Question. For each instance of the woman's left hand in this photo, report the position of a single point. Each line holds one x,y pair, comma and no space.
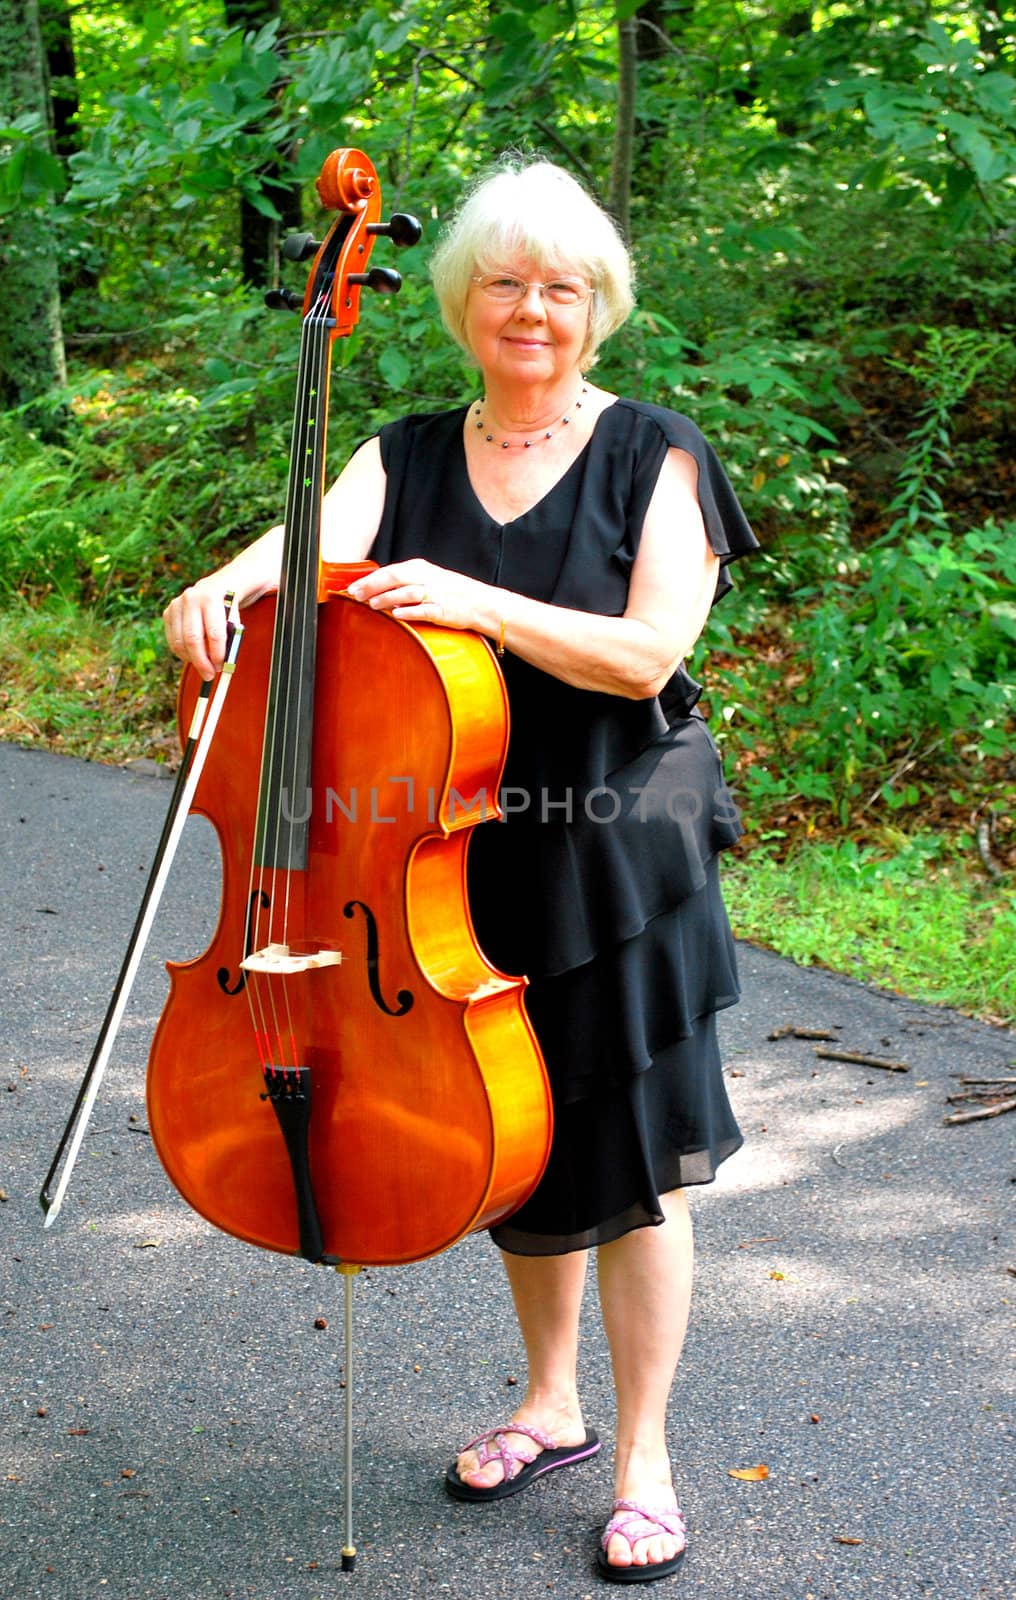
419,591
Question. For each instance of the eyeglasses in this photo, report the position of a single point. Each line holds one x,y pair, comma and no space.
501,286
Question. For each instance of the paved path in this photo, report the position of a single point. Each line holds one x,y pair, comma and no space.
172,1416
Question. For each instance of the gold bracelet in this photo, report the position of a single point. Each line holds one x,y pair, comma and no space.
499,647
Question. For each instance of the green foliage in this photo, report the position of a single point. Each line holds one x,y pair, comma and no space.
758,399
145,486
915,639
896,911
30,172
78,682
821,200
944,133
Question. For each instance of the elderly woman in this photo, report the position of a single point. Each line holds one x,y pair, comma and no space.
586,536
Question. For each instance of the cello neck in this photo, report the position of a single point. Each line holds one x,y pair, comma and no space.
283,813
331,306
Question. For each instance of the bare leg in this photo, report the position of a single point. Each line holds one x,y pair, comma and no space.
547,1291
645,1282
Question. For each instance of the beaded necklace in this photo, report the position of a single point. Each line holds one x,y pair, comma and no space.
526,444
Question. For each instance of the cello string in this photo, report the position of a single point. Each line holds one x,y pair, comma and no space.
295,636
298,601
305,587
259,993
300,622
304,621
263,1005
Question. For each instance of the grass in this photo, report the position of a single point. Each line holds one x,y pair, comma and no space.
913,913
84,686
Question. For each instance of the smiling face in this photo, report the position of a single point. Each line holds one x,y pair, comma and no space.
532,341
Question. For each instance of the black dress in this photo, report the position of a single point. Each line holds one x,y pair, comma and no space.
601,884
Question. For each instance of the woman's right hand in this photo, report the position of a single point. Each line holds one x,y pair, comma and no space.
195,623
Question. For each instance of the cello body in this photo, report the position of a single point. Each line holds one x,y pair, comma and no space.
430,1112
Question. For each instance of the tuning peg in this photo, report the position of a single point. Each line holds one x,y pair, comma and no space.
384,280
283,300
300,246
401,229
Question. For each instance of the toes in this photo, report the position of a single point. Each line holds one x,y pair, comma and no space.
619,1552
660,1549
486,1477
645,1552
495,1471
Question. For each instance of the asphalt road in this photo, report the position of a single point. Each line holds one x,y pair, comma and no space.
173,1415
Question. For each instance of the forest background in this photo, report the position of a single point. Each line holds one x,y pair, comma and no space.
821,205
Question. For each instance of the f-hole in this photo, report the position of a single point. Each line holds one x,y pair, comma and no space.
404,996
261,901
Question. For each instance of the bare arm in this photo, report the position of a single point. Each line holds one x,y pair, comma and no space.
672,586
195,621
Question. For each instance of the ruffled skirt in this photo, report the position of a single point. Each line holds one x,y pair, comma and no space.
622,931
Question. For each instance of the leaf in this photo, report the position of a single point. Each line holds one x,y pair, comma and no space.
222,98
188,131
749,1474
768,238
996,91
388,43
43,173
14,170
394,367
260,201
222,391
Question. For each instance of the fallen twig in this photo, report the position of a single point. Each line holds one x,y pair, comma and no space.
988,1080
791,1031
863,1061
981,1112
986,1095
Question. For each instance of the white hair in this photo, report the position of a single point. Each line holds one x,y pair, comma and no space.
539,211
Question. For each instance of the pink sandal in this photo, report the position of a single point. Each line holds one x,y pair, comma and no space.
634,1522
519,1470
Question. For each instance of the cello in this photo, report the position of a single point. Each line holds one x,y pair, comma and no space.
342,1074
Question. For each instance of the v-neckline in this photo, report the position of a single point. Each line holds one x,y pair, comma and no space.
569,469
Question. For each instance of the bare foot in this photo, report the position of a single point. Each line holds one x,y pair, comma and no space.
563,1424
646,1541
644,1481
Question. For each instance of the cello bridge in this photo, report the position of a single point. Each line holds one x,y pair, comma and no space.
278,960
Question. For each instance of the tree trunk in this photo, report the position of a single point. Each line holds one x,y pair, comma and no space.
61,68
31,335
796,25
624,126
259,235
64,104
660,26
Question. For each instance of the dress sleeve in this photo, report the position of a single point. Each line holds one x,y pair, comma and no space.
726,525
